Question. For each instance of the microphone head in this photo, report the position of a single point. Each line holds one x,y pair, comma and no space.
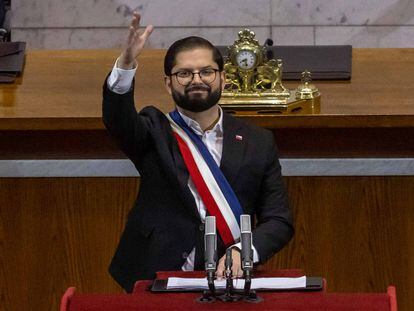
210,225
245,225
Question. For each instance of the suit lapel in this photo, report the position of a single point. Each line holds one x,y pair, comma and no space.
234,145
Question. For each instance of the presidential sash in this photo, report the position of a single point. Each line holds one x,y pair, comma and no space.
212,186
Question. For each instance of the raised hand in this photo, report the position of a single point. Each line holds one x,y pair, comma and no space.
135,43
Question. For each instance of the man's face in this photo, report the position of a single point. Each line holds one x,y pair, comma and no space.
198,94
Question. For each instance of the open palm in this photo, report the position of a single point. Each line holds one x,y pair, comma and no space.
135,43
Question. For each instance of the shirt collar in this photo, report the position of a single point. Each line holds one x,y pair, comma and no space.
218,127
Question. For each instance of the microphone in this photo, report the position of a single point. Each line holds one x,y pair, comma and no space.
246,243
246,249
210,250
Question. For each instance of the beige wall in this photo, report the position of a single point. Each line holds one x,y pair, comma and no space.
80,24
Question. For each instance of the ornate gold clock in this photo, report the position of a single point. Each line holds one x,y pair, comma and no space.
254,83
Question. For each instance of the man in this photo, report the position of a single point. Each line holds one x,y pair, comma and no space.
196,146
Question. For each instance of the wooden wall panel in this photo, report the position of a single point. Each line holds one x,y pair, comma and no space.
357,232
57,233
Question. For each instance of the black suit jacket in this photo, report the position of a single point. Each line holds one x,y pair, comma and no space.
164,224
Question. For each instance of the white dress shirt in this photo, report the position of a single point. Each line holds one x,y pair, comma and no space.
120,82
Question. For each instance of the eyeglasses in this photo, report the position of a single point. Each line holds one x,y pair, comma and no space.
184,77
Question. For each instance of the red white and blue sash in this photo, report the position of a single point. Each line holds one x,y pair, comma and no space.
212,186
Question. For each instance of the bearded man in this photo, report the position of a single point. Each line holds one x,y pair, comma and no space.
195,161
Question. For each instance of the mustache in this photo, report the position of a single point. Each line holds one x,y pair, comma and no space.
197,87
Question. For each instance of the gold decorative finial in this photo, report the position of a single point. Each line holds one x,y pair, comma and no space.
306,90
246,36
306,76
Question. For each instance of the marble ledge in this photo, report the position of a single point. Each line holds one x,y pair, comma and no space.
290,167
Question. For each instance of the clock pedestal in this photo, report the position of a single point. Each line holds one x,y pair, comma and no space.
253,105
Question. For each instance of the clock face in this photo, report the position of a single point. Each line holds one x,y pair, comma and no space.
246,59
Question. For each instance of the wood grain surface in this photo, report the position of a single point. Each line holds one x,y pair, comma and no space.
357,232
291,142
57,233
62,90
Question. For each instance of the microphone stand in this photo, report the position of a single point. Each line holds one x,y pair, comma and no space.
247,266
229,293
210,281
209,295
249,295
247,282
229,273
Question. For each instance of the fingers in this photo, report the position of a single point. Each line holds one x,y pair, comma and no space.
147,32
220,269
237,271
135,23
143,35
135,33
236,268
135,42
131,34
136,18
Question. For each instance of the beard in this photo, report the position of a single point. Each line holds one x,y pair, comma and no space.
197,102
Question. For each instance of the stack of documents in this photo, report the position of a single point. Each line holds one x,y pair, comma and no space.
257,283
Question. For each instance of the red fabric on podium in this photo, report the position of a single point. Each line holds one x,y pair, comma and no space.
272,301
392,293
67,296
143,299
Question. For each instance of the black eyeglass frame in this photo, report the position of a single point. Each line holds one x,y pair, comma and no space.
193,73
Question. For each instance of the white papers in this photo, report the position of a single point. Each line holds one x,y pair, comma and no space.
257,283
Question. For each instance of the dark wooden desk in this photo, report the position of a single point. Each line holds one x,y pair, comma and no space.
61,90
373,115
